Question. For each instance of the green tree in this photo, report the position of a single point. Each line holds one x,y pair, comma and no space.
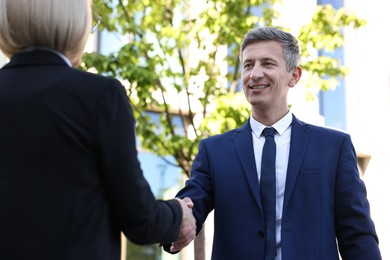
175,62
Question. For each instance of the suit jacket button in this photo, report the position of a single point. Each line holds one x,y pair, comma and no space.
260,234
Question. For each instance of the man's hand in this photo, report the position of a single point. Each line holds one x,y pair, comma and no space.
187,231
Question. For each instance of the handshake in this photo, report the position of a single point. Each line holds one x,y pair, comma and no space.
187,231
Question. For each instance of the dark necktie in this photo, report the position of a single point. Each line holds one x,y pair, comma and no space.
268,191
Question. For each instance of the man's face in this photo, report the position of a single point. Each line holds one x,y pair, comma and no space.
265,78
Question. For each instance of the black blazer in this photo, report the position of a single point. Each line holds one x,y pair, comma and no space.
70,179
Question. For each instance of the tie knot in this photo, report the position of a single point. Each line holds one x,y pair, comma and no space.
269,132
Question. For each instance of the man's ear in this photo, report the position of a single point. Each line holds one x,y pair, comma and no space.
295,76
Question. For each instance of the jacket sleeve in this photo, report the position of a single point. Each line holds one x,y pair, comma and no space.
141,218
198,189
356,235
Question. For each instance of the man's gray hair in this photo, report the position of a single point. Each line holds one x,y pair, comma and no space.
289,43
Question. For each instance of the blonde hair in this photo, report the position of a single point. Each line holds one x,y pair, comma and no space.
62,25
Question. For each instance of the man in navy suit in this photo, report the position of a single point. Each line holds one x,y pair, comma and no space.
321,210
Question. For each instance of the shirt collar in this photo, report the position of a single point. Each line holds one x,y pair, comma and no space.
280,126
33,48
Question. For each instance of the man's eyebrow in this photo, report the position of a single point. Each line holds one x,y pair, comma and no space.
268,59
246,60
264,59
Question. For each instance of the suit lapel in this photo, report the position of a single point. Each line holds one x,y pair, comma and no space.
244,146
300,133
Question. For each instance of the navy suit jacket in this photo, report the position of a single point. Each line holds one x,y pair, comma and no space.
325,206
70,179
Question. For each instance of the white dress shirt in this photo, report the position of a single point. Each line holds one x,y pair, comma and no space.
282,140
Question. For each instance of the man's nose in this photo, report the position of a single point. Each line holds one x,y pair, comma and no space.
257,72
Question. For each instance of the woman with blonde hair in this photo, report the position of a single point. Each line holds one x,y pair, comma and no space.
70,180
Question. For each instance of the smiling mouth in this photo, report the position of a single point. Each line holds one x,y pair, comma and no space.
258,86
